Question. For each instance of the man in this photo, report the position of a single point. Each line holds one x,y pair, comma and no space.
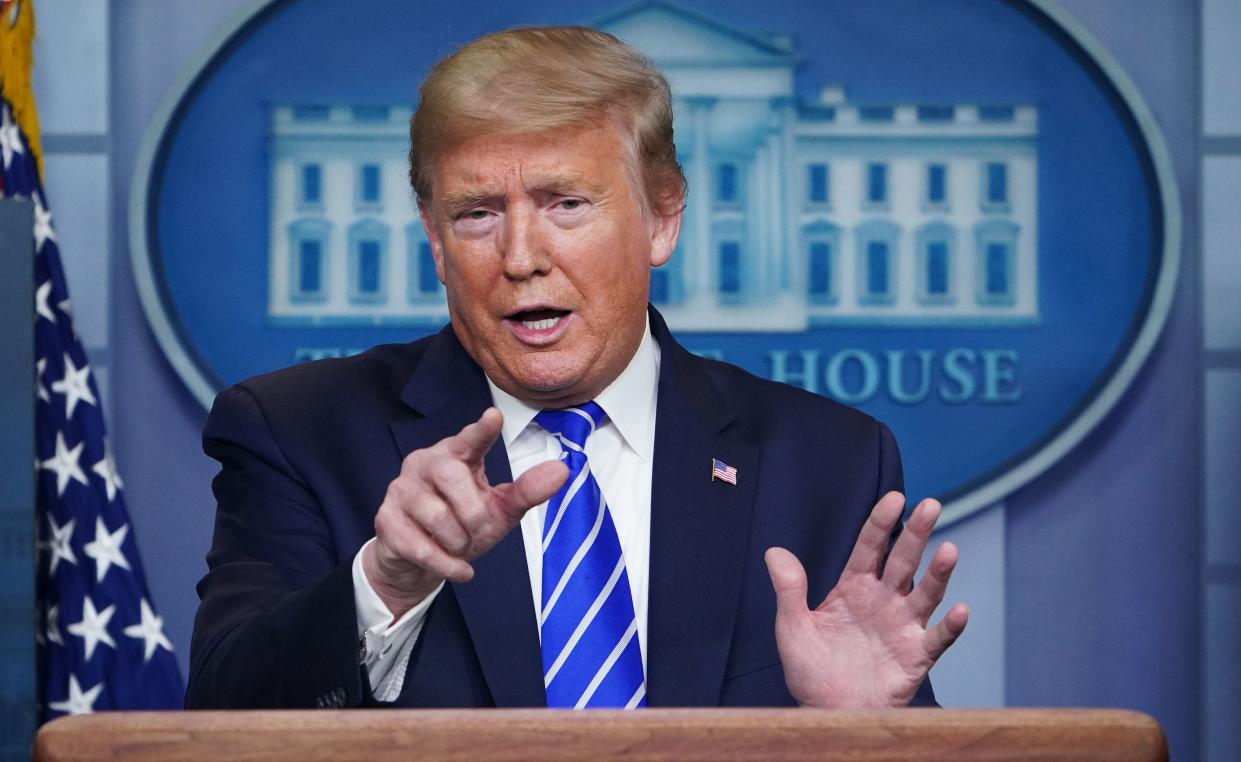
638,558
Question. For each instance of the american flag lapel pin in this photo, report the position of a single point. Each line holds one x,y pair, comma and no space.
722,471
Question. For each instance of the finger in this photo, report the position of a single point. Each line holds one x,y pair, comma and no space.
454,482
902,563
788,578
435,516
531,488
872,541
419,508
946,632
472,442
412,543
929,592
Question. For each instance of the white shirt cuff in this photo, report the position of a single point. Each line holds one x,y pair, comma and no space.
384,646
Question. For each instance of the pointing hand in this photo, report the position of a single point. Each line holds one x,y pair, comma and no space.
440,513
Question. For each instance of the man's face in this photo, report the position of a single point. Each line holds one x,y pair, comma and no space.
543,246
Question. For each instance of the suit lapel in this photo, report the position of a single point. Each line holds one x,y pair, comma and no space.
699,533
446,392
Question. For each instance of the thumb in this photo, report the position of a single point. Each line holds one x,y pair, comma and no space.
788,577
531,488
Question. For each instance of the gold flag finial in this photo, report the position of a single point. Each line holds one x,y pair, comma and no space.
16,69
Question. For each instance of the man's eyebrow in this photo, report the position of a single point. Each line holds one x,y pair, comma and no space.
563,183
460,200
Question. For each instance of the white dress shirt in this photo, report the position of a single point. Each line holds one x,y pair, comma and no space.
620,453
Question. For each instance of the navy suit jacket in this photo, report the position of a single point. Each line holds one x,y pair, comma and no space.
306,455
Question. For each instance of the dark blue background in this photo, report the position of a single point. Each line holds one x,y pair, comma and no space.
1097,230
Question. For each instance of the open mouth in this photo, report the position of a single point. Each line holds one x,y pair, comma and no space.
540,319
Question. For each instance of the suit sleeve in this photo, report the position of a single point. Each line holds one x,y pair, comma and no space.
276,626
891,473
892,477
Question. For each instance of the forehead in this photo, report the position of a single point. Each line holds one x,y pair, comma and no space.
585,156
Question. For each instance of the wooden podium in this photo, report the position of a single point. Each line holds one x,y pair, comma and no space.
653,734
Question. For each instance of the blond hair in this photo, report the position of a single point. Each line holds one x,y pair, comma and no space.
533,79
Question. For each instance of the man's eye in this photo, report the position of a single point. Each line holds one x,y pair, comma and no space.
571,204
476,214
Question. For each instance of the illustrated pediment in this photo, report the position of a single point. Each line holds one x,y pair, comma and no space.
676,36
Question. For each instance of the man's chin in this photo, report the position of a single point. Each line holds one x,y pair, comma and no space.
549,389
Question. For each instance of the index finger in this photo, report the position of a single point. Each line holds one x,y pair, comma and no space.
872,542
472,442
906,554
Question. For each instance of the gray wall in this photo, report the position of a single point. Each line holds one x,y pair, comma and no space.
1113,580
1220,156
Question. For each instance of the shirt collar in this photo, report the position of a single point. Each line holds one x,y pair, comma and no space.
629,401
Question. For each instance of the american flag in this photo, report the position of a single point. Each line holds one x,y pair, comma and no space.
100,644
723,471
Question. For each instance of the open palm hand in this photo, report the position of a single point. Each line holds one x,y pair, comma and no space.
867,644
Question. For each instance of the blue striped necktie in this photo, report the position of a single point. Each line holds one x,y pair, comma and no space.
591,656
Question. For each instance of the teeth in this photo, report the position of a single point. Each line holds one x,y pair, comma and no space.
539,325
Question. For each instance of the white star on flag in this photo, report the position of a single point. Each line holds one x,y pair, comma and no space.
151,631
65,463
106,548
40,304
39,388
75,386
78,702
93,629
10,139
106,470
60,544
42,224
53,625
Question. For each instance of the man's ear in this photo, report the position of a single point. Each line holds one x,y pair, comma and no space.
664,233
433,237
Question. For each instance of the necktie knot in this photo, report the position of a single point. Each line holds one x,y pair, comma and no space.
572,425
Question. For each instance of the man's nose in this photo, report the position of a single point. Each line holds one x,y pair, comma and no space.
524,246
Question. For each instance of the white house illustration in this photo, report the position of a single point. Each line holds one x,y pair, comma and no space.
800,212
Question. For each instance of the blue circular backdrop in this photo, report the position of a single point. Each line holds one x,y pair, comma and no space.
1099,208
